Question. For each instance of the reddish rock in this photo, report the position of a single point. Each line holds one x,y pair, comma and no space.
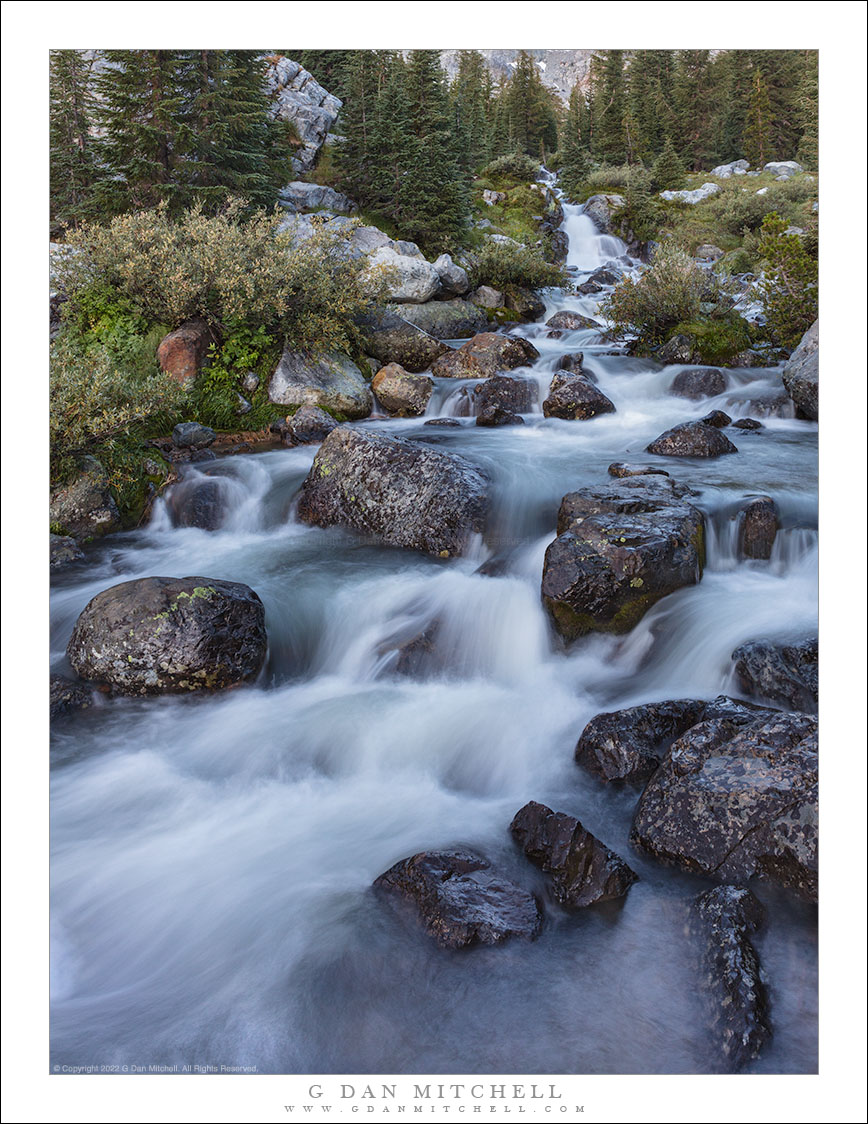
181,353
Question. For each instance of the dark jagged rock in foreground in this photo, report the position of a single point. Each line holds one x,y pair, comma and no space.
461,900
405,494
785,674
692,439
575,398
159,635
722,920
758,528
737,801
583,869
513,395
628,745
620,548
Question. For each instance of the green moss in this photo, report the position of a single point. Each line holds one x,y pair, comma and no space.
716,339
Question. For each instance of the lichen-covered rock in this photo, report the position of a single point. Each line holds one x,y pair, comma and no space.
295,96
692,439
309,425
583,869
699,382
159,635
608,567
486,297
192,435
572,321
63,549
757,528
301,196
401,392
698,195
461,900
484,355
783,169
575,398
331,381
391,338
513,395
717,418
727,171
400,277
600,208
445,320
784,674
629,744
66,697
735,802
404,493
181,353
523,302
493,416
722,921
85,508
453,279
802,374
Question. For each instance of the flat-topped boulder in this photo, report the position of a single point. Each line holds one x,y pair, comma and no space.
391,338
401,492
575,398
802,374
569,321
445,319
162,635
331,381
699,382
779,673
484,355
461,900
507,393
734,802
692,439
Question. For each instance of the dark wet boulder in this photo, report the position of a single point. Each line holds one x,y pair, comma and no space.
461,900
192,435
445,320
62,550
717,418
575,398
492,417
572,362
629,744
523,302
484,355
747,424
418,657
692,439
392,339
802,374
758,524
309,425
722,921
633,494
401,392
605,277
589,288
734,802
66,697
445,423
85,508
784,674
583,870
403,493
160,635
567,321
622,470
699,382
604,571
510,394
199,501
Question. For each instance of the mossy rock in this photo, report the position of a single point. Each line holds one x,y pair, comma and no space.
715,340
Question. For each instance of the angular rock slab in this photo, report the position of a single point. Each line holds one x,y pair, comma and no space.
160,635
785,674
802,374
404,493
484,355
331,381
737,802
584,871
722,921
461,900
692,439
391,338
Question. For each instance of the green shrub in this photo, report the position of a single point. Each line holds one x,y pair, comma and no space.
500,263
669,292
641,214
515,166
788,288
716,339
215,394
606,178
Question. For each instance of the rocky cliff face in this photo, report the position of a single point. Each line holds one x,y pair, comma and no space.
560,70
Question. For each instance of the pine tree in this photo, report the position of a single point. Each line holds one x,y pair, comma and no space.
809,112
693,107
73,171
532,120
756,140
471,96
365,75
390,140
609,96
668,172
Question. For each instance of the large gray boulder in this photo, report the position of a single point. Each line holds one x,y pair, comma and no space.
85,508
331,381
402,493
733,802
600,208
296,97
783,169
445,320
301,196
460,900
453,278
400,277
619,550
391,338
698,195
727,171
802,374
583,870
159,635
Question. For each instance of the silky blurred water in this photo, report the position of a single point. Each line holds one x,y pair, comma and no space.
212,856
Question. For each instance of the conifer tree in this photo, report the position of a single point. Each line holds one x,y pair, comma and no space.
364,77
390,139
608,78
693,106
809,111
73,170
530,110
756,140
471,95
668,171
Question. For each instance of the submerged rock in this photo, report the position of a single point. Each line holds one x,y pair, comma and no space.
692,439
583,869
620,549
575,398
331,381
629,744
158,635
404,493
401,392
699,382
62,550
785,674
722,920
802,374
66,697
461,900
758,524
735,802
198,502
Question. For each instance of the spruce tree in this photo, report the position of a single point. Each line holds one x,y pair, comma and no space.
668,172
693,106
364,77
532,120
610,97
809,112
575,163
471,96
757,137
72,167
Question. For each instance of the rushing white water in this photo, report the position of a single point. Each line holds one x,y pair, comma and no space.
212,856
588,249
